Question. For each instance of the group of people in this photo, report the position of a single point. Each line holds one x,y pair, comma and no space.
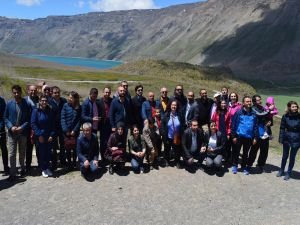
144,131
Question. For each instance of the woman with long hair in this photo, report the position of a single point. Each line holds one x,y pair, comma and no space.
289,137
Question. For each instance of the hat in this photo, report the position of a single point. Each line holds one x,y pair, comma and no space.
217,94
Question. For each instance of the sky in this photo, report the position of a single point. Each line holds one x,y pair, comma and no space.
32,9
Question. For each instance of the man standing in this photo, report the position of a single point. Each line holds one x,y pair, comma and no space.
204,108
193,144
244,132
17,122
127,95
137,102
32,100
3,137
163,101
148,107
191,109
57,102
87,150
180,98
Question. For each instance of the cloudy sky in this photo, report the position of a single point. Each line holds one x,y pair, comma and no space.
31,9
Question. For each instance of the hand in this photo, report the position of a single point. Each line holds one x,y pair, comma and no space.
13,129
114,148
228,137
72,133
96,162
41,139
234,140
271,107
50,139
142,154
18,130
68,134
86,163
268,123
190,161
254,141
113,129
203,149
96,118
209,149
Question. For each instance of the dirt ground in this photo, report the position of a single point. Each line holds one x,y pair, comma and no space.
164,196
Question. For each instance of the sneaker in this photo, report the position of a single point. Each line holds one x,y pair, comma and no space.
234,169
178,166
50,174
246,171
287,176
23,173
151,167
279,174
141,169
265,136
110,170
44,173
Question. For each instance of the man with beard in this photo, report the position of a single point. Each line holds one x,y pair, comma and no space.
137,102
180,98
163,101
204,108
127,95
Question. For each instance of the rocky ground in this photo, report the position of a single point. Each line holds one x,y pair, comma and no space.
164,196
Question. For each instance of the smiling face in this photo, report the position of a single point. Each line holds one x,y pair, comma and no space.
247,103
136,132
233,97
174,106
294,108
163,92
43,102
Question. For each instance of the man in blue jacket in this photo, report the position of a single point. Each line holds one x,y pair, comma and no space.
148,107
87,150
244,132
3,137
17,119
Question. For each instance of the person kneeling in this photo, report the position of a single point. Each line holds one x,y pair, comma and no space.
193,144
88,150
137,148
215,147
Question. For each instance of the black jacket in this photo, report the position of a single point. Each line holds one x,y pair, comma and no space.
290,130
137,109
221,141
187,141
204,109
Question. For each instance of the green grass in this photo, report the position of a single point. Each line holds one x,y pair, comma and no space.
6,83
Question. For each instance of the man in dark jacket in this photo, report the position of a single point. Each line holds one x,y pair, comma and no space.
87,150
3,137
137,102
148,107
204,107
191,109
193,144
180,98
244,132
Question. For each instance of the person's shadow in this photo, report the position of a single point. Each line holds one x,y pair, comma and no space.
269,168
5,184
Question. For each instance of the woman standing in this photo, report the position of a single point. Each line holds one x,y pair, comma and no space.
172,127
289,137
42,124
137,149
70,124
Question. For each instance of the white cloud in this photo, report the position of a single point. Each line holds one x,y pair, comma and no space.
29,2
80,4
113,5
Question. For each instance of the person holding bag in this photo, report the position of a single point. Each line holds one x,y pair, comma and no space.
172,129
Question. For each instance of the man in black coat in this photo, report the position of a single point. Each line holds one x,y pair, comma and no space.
137,102
204,108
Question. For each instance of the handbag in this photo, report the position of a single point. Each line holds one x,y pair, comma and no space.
177,138
70,143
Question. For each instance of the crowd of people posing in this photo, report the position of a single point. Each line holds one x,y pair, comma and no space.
179,130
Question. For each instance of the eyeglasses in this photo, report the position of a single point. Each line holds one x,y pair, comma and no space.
125,85
139,89
164,92
178,89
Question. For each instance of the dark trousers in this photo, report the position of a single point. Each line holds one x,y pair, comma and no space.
263,145
4,150
44,154
246,143
29,149
105,132
58,144
287,149
176,150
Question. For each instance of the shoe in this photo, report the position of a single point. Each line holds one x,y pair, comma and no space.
151,167
141,169
166,163
110,170
279,174
23,173
50,174
11,178
246,171
6,171
44,173
287,176
178,166
265,136
234,169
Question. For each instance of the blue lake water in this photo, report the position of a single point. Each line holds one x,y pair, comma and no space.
72,61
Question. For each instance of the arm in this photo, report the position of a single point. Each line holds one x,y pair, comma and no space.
282,129
76,128
86,112
64,125
112,115
144,111
184,143
97,150
2,111
79,149
34,124
25,114
220,144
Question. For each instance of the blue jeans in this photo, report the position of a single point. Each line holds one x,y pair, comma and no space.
136,163
44,154
285,155
92,167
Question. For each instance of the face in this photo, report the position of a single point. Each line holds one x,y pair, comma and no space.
56,93
120,131
93,97
121,91
258,101
87,132
224,91
136,131
294,108
233,97
179,90
125,86
191,96
157,113
16,94
164,92
106,93
203,94
139,91
151,96
47,91
32,91
174,106
213,127
43,103
247,103
71,99
194,125
223,105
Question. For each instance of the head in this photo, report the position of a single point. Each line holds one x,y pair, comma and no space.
93,94
47,90
173,106
157,112
178,90
224,91
292,107
124,84
55,92
120,128
233,97
121,91
73,98
217,97
247,102
191,97
139,90
32,91
43,102
213,127
194,125
256,99
222,106
135,131
17,92
203,94
270,101
106,92
87,130
163,92
151,96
